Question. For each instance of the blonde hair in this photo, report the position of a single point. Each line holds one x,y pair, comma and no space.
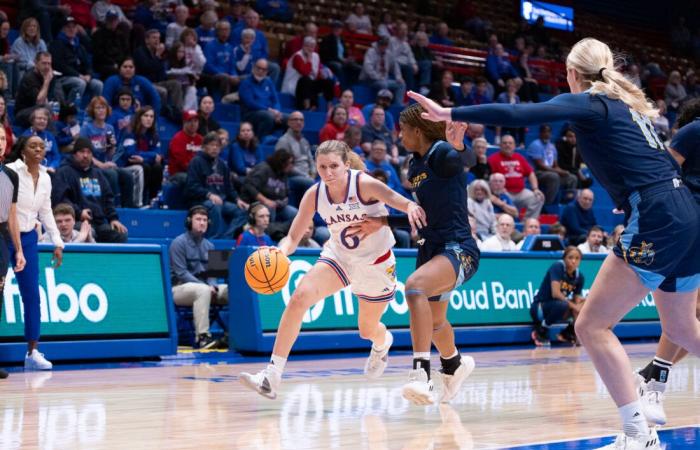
340,148
595,63
356,162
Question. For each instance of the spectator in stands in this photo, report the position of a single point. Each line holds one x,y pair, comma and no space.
305,77
100,9
64,214
475,131
45,12
464,94
472,226
141,146
376,130
558,299
71,59
615,236
175,28
209,184
183,147
254,231
83,186
67,127
307,239
569,158
297,42
377,159
189,255
502,203
549,175
531,227
480,94
143,91
510,97
39,120
150,61
501,241
260,46
358,21
440,36
400,46
267,183
336,126
661,124
206,31
220,70
334,54
402,236
560,230
515,168
499,69
243,55
675,92
151,14
194,56
122,112
595,242
207,123
7,59
304,173
5,123
245,152
277,10
386,26
481,169
529,91
183,74
380,70
425,60
111,43
353,137
383,100
442,91
260,104
27,45
578,217
355,116
481,208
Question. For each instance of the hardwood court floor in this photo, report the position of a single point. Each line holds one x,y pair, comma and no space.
514,397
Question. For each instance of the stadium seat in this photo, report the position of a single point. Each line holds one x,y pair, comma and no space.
227,112
152,223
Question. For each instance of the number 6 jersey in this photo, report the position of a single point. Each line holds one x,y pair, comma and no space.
348,211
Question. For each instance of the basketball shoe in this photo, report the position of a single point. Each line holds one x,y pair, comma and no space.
377,360
651,393
36,361
419,389
624,442
452,383
266,382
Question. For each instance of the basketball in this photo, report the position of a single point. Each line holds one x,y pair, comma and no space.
266,272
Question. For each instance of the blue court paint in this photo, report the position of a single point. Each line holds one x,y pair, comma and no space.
671,439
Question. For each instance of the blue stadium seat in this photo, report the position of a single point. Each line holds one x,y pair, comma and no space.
266,150
311,136
152,223
166,129
270,140
174,196
363,94
227,112
314,120
287,101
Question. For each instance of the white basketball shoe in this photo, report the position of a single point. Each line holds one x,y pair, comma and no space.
377,361
624,442
36,361
419,389
266,382
452,383
651,395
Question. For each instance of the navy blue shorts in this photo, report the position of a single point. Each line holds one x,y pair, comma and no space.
551,311
661,241
463,256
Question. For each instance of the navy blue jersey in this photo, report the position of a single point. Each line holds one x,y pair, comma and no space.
570,285
618,144
439,185
687,143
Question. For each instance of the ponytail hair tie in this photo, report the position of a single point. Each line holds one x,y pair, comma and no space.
600,72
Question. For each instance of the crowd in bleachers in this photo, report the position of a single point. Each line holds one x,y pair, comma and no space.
164,103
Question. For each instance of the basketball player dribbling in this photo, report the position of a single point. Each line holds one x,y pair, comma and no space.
351,257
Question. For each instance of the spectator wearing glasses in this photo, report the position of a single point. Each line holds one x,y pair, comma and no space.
501,241
260,104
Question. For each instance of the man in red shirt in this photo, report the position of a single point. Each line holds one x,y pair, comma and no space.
184,145
515,168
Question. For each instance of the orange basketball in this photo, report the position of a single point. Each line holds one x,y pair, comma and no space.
266,271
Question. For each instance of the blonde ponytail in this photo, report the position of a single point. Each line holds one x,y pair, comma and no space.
594,62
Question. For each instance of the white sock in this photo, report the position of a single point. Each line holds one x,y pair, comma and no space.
421,355
381,348
278,363
633,421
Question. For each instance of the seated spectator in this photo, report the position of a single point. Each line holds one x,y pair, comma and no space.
175,28
569,158
402,237
481,170
277,10
595,242
122,113
425,59
502,203
480,94
499,69
71,59
334,54
5,123
560,230
189,255
336,126
501,241
243,55
376,130
558,299
209,184
481,208
245,151
267,184
27,45
383,99
475,131
83,186
141,146
510,97
531,227
236,12
207,123
442,92
149,14
112,44
615,236
516,168
358,21
67,127
578,217
529,90
549,175
307,240
183,74
206,31
305,77
260,104
143,91
194,56
355,115
377,159
386,25
39,120
304,173
47,12
380,70
440,36
353,137
675,93
64,214
219,70
401,48
260,46
7,59
100,9
150,61
254,231
183,147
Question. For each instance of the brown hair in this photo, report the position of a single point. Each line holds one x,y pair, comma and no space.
432,131
136,126
64,209
23,30
187,32
99,100
572,248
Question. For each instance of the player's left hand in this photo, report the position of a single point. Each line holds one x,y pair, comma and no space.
365,228
416,216
454,132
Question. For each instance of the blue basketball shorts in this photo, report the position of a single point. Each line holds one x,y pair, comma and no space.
464,257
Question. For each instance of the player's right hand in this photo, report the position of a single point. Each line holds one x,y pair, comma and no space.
416,216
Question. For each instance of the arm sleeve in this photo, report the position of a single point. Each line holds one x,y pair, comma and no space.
446,161
561,107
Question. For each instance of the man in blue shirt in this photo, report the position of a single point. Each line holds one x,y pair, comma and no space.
376,130
549,175
220,68
260,47
384,99
260,104
578,217
377,160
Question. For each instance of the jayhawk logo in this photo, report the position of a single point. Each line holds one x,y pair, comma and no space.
391,271
642,254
